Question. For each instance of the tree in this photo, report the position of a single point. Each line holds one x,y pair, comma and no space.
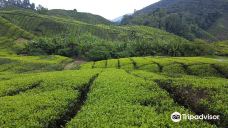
2,3
41,9
17,3
33,6
99,53
26,4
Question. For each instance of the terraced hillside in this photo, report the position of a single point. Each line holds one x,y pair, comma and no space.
127,92
198,66
222,48
52,25
80,16
20,64
10,32
37,91
37,34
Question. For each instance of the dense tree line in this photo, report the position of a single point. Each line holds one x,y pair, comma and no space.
93,48
191,19
26,4
182,24
17,3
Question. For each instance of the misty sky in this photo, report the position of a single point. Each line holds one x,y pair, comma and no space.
109,9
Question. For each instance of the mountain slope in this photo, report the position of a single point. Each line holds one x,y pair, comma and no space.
191,6
190,19
68,37
9,33
43,25
118,19
12,31
80,16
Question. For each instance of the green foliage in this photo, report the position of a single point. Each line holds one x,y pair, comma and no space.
149,75
222,68
190,19
22,64
95,49
170,66
100,64
26,114
221,48
112,63
204,95
123,97
14,86
54,46
141,61
99,53
10,30
118,99
174,70
88,65
203,70
43,105
68,37
41,10
126,63
25,4
145,64
126,97
80,16
150,68
220,27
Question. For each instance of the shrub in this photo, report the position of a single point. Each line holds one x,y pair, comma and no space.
203,70
98,53
150,68
174,70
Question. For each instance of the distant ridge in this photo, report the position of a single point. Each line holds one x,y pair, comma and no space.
191,19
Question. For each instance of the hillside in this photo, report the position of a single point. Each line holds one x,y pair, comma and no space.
11,30
43,25
79,16
138,91
67,69
67,14
190,19
222,48
69,37
12,36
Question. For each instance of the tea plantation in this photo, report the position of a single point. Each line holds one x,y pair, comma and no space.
58,71
126,92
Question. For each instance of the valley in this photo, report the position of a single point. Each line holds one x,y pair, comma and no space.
69,69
